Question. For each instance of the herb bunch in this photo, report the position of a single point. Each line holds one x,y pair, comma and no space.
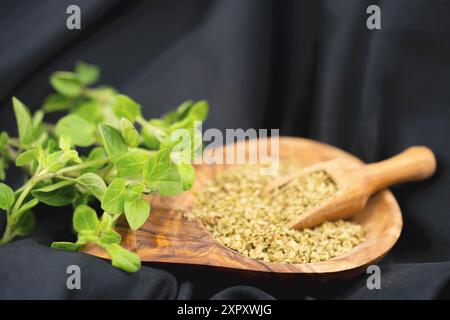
122,165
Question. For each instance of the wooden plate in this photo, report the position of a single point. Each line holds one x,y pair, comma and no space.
168,237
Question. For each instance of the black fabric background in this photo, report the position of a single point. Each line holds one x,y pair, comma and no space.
310,68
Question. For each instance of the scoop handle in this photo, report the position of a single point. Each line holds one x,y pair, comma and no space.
413,164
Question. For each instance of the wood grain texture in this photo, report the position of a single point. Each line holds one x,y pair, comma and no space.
168,237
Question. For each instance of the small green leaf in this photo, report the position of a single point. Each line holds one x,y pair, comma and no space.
131,164
106,222
26,224
41,155
56,186
4,141
91,110
25,158
66,83
126,107
80,199
71,155
2,170
199,111
182,110
113,200
123,259
153,132
24,122
187,175
64,143
129,132
37,119
87,73
162,175
112,140
109,237
68,246
59,194
56,102
131,195
55,161
85,218
95,154
85,236
137,212
6,197
94,184
80,131
27,206
137,187
50,146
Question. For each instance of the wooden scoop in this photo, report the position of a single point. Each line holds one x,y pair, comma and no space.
356,184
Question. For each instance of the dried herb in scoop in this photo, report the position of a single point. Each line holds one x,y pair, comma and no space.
240,216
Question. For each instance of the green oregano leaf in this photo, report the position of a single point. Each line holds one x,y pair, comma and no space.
95,154
129,132
153,132
109,237
2,169
112,140
68,246
106,222
162,175
199,110
55,161
56,102
6,197
55,186
27,206
80,131
24,122
50,146
126,107
85,218
123,259
187,175
131,164
87,73
25,158
85,236
66,83
80,199
26,224
91,110
114,198
136,212
94,184
64,143
181,112
59,194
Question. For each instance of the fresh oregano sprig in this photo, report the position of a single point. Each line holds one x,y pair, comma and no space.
122,166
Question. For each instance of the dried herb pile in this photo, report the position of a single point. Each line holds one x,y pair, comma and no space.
233,209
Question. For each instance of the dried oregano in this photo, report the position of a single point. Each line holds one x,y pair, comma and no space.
233,209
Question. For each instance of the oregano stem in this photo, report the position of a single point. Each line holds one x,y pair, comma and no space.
13,217
7,234
84,165
26,190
